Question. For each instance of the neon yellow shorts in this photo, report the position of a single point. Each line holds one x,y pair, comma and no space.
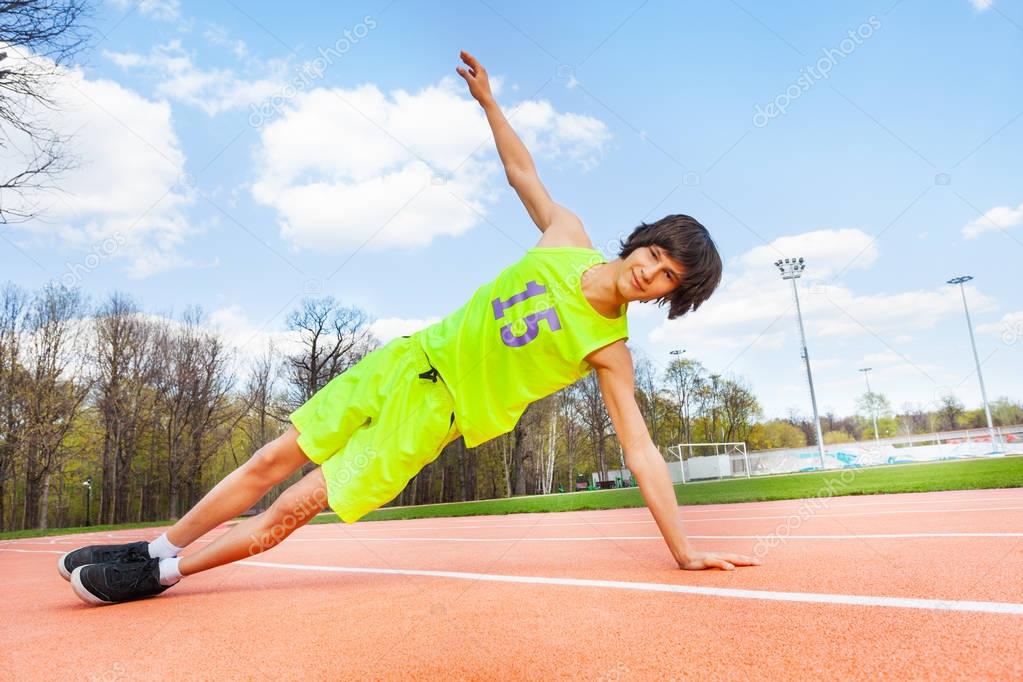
373,427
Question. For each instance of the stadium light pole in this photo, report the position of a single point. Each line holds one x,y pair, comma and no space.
870,397
792,269
969,326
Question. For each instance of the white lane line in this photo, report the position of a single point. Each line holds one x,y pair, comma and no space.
859,536
658,537
811,597
795,512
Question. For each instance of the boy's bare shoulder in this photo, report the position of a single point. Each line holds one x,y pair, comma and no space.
565,230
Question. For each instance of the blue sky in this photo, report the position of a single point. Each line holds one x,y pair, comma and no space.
240,156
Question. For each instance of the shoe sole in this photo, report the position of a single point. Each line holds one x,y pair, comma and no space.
61,568
84,594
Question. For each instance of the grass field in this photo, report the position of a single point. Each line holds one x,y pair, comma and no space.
1005,472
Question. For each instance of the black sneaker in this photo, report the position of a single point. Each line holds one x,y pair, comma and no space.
102,554
117,582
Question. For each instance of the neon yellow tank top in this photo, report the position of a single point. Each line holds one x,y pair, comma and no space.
521,337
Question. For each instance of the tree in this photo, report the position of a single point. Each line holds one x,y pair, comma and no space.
13,378
684,378
593,415
775,434
739,407
1005,412
38,37
832,437
647,394
53,393
125,358
948,411
332,338
194,405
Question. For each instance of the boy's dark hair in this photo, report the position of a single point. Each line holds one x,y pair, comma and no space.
688,242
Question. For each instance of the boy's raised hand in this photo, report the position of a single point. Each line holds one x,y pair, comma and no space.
698,561
476,77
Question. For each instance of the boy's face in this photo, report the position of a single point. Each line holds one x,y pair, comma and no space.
649,273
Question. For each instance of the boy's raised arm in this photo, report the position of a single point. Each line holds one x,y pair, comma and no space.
518,164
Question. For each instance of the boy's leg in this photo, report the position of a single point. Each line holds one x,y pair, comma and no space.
238,491
241,489
293,509
112,583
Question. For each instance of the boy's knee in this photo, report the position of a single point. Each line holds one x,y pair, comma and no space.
272,463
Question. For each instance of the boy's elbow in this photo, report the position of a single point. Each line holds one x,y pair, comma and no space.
518,175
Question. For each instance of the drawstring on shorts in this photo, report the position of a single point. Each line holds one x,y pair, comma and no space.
432,374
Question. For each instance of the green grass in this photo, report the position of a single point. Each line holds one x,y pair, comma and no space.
36,533
1005,472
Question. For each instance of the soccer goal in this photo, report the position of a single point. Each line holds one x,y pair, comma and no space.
708,461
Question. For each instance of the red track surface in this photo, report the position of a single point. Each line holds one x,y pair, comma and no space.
494,612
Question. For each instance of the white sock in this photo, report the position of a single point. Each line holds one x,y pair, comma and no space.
169,573
161,547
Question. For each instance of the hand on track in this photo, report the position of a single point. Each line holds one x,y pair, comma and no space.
698,561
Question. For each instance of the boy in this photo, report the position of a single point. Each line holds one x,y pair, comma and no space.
542,324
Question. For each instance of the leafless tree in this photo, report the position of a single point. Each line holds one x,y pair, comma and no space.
13,307
196,414
37,37
126,363
54,392
593,416
332,337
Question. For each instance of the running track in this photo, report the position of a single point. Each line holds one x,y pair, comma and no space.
926,585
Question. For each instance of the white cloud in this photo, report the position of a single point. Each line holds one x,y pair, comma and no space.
981,5
213,91
755,306
827,252
388,328
999,217
1009,329
164,10
126,190
344,168
887,357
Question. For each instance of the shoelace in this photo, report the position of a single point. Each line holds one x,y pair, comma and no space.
138,572
132,554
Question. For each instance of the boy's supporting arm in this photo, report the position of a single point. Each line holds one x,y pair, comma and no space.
617,384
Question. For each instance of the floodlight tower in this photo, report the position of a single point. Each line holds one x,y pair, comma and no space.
870,397
792,269
969,326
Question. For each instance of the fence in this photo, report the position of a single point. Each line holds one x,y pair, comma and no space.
899,450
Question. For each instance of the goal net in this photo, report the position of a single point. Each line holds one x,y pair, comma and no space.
707,461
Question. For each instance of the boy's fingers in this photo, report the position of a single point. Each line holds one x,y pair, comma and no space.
472,61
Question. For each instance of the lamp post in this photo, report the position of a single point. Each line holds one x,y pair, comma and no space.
870,399
792,269
969,326
88,500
